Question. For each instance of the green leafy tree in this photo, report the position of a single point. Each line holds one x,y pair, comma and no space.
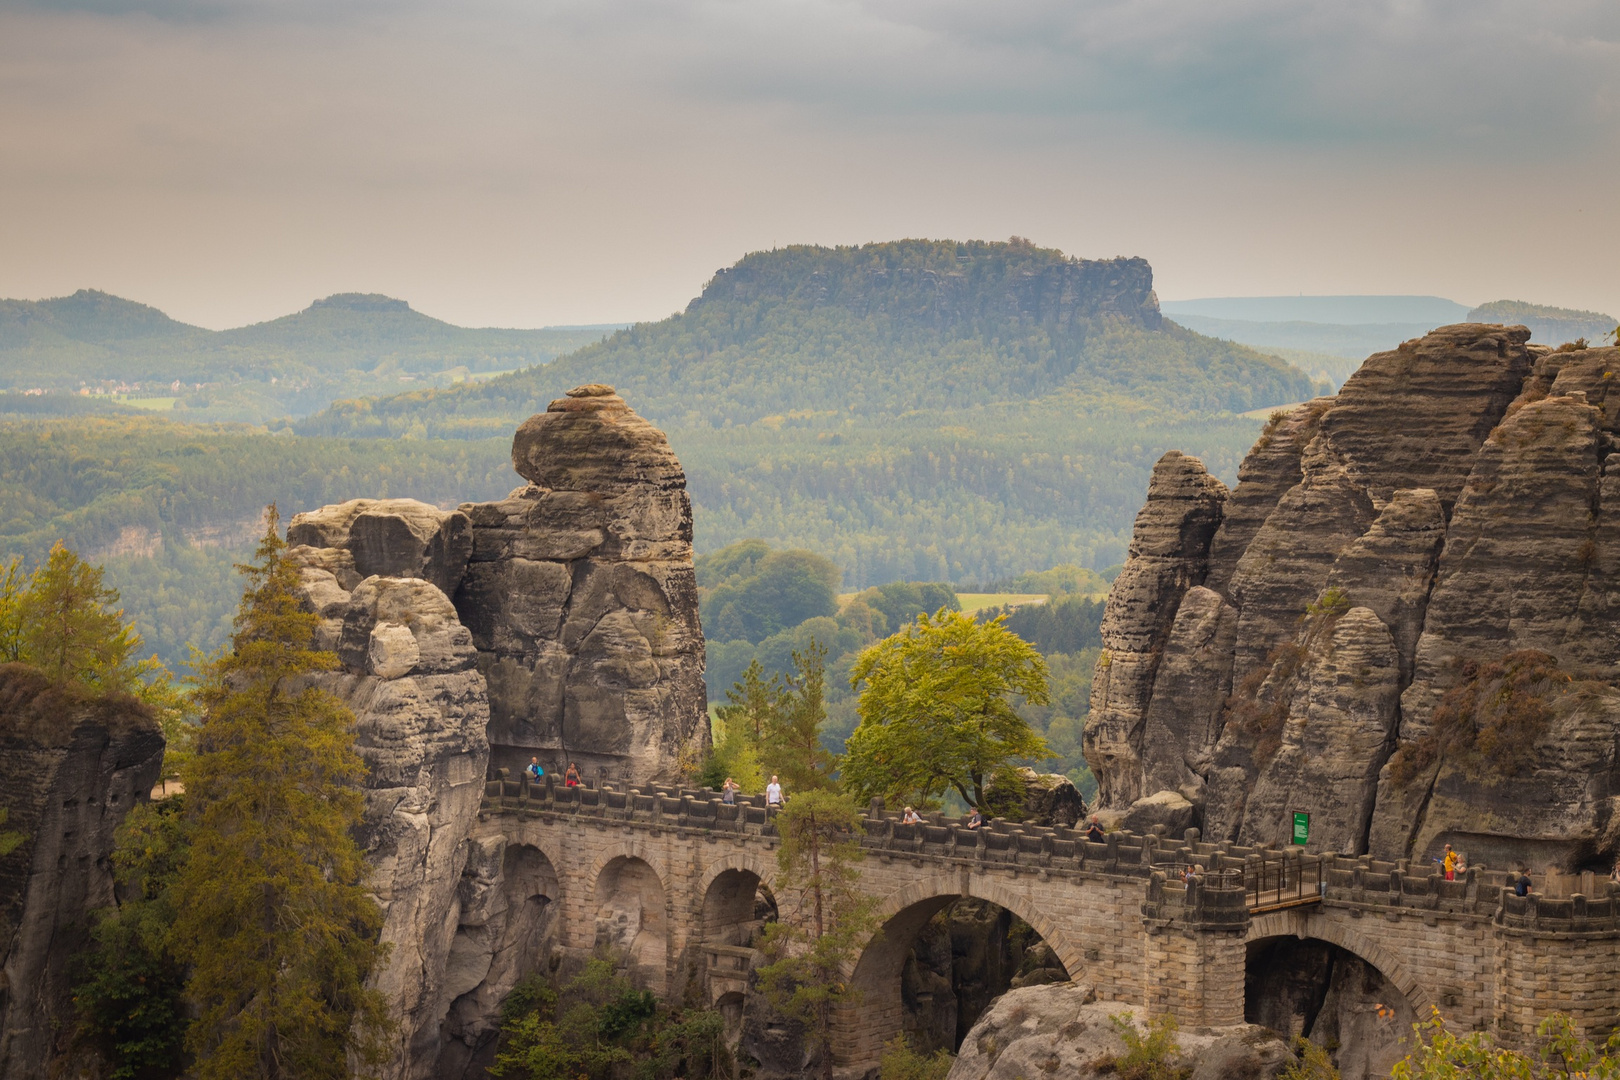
1560,1053
792,741
827,919
71,629
598,1026
273,915
937,709
130,994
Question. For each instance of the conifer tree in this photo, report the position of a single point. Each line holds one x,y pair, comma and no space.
829,918
70,628
13,610
273,916
793,747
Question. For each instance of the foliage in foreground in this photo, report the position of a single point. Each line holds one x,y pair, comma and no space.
598,1026
130,996
1560,1053
901,1062
831,920
272,914
937,710
1148,1055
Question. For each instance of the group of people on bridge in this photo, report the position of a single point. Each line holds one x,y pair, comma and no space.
537,773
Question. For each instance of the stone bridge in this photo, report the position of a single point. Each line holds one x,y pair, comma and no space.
687,870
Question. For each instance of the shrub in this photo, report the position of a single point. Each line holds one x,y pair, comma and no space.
901,1062
1148,1055
1492,718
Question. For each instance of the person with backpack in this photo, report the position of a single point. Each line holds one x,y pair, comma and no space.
536,773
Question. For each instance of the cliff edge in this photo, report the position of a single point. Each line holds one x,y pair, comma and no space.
1404,621
71,767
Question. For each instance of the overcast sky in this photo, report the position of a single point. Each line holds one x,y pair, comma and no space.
529,162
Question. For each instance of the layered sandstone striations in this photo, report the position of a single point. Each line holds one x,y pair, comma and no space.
1405,620
71,767
581,597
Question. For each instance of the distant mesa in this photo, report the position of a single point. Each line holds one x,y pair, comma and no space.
1548,325
353,301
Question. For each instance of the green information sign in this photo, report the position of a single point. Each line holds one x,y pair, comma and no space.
1302,827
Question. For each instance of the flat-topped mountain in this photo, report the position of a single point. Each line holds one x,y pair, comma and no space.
879,329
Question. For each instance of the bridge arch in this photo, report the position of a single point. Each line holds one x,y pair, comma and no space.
725,898
633,916
879,1014
1278,924
1310,975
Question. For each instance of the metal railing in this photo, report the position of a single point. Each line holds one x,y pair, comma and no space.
1275,880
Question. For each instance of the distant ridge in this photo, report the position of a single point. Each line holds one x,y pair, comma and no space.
344,345
1548,325
875,330
1341,310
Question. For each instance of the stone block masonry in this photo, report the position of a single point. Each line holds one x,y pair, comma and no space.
1115,914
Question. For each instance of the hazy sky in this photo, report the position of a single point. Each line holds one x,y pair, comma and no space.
524,162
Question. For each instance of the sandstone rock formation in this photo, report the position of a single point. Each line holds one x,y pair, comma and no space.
559,622
1063,1030
1044,798
71,767
582,600
1334,635
1169,554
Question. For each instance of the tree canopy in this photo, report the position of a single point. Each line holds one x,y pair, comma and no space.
273,917
818,876
937,709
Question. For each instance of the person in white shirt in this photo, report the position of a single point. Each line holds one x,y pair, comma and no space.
773,794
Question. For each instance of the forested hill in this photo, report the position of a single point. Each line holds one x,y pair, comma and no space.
352,343
876,330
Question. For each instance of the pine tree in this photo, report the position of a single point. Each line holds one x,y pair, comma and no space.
70,628
829,918
792,746
273,915
13,610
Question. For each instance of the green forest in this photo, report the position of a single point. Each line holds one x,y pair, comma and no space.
875,331
760,605
912,411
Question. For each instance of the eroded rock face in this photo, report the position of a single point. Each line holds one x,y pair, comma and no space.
70,769
562,620
1452,506
1063,1030
410,675
504,933
582,600
1169,554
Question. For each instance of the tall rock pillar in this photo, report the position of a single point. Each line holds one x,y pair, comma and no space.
1169,554
582,601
